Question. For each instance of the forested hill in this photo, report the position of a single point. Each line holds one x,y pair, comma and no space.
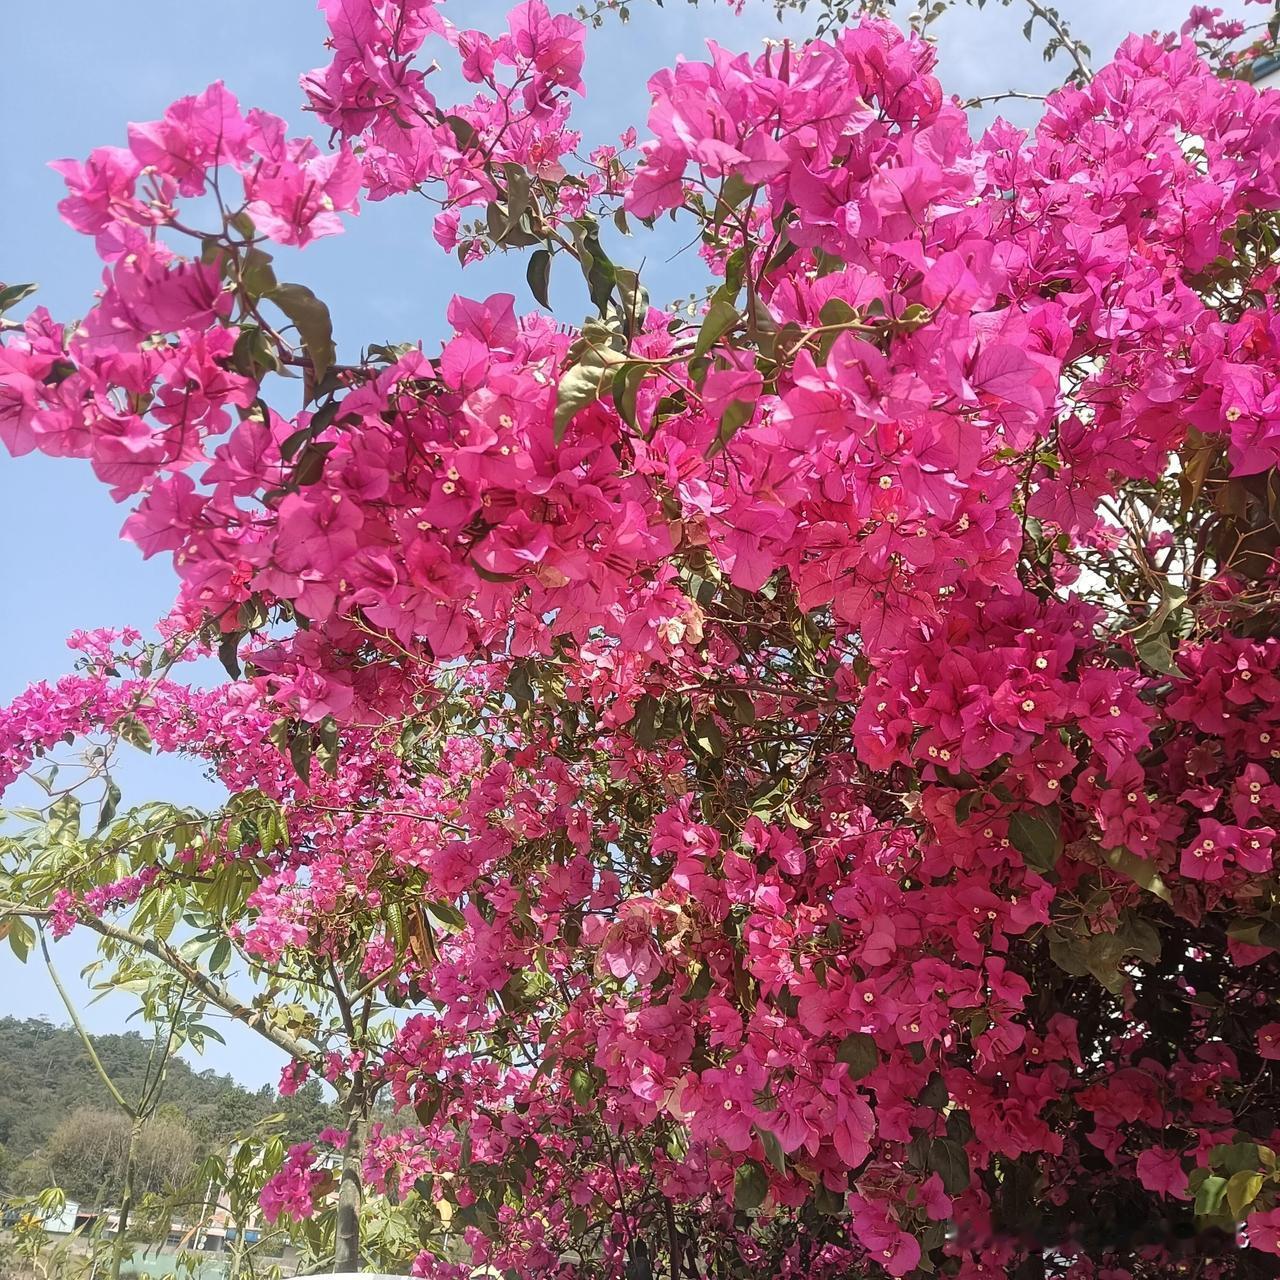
55,1112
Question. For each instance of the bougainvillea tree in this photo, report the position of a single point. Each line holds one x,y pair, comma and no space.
804,773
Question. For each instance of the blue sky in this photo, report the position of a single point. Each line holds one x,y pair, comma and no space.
79,70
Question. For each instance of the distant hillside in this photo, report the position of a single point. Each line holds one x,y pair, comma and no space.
57,1122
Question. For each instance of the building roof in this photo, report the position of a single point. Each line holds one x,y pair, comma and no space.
1264,68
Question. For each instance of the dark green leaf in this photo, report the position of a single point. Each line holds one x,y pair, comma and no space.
313,322
219,956
750,1185
934,1094
720,319
463,132
734,417
947,1158
626,389
858,1052
134,732
633,298
110,803
1210,1196
582,1086
1037,835
326,747
583,384
310,465
21,938
13,294
1157,653
64,819
1139,870
959,1126
538,275
256,274
428,1107
229,653
705,738
734,191
300,754
448,915
772,1149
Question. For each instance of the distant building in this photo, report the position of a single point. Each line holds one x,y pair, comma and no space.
1266,73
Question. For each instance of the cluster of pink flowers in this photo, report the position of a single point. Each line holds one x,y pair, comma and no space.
291,1191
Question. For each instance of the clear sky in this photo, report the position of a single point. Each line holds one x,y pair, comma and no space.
78,71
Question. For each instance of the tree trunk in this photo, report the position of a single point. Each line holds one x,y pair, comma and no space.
119,1245
346,1252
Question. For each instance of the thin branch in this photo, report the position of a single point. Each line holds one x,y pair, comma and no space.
1065,39
85,1038
212,991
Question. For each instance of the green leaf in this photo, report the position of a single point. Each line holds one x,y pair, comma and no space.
750,1185
447,915
584,383
506,218
837,313
310,464
1140,937
300,755
1151,639
947,1158
1157,653
134,732
959,1126
1037,835
736,415
110,803
219,956
859,1053
626,390
256,274
64,819
1139,870
488,574
1099,955
721,317
1237,1156
934,1094
396,927
705,738
326,745
538,275
598,271
828,1202
313,322
582,1086
1068,952
21,938
229,653
773,1149
13,294
735,271
427,1108
1210,1196
463,131
1242,1190
734,191
633,299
